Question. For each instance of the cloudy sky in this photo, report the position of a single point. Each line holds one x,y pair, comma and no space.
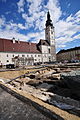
25,20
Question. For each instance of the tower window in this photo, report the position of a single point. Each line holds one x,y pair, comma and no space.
51,32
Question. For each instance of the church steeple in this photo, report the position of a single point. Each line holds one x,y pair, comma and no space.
50,37
49,21
48,16
49,30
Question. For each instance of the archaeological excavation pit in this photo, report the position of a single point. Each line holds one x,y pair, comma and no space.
59,87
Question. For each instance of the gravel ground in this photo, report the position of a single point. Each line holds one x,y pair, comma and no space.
12,108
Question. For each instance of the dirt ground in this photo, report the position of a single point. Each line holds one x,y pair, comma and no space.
13,74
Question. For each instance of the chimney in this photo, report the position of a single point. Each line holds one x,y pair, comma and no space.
18,41
13,39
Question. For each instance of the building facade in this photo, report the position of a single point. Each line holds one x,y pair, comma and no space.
72,54
15,50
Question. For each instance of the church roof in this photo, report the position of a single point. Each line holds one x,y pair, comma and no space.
7,45
43,42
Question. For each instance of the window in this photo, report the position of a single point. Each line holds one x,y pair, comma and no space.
13,55
47,33
7,55
38,55
49,59
35,55
31,55
7,60
27,55
35,59
49,50
51,32
23,55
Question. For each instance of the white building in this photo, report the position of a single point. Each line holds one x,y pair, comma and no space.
42,52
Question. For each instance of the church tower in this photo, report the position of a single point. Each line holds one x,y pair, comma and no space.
50,37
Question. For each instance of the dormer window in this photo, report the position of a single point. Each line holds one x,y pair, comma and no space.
43,43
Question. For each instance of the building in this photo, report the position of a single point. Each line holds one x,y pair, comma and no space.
15,50
72,54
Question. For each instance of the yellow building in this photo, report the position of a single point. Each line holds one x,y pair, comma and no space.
72,54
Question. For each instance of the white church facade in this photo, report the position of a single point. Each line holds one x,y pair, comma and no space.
42,52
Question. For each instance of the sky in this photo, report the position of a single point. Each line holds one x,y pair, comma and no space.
25,20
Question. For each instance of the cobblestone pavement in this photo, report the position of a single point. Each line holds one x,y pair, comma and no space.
12,108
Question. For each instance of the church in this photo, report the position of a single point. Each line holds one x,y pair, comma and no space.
12,50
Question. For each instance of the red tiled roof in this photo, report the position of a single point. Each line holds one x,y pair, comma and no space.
7,45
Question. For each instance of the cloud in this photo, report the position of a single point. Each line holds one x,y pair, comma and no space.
66,29
37,10
35,6
21,6
4,1
55,10
11,25
21,26
35,18
76,37
68,5
12,30
9,34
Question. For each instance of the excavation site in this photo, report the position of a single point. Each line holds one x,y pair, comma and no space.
54,85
